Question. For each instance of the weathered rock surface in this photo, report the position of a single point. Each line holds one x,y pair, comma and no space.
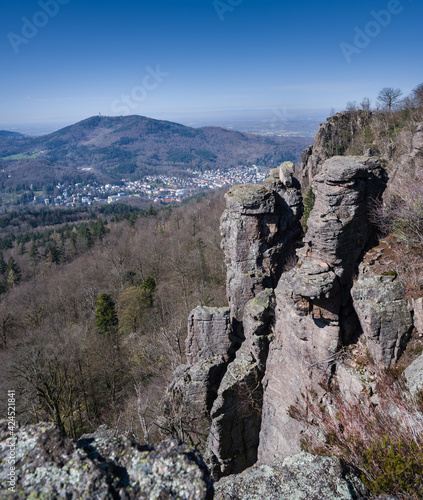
409,168
333,138
236,414
417,305
314,315
209,334
210,345
260,228
301,477
384,315
413,375
50,465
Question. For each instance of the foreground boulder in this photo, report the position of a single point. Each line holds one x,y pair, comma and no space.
302,477
50,465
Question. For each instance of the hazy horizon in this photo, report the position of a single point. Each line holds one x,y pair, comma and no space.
66,60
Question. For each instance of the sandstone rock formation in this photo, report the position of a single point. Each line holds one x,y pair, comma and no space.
210,345
259,228
384,315
314,316
414,376
302,316
236,414
50,465
332,139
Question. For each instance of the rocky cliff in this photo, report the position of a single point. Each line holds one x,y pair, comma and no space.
298,302
306,311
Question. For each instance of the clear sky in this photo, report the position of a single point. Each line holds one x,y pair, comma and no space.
65,60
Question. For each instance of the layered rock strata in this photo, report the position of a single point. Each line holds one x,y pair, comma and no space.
259,229
236,414
314,315
333,138
210,345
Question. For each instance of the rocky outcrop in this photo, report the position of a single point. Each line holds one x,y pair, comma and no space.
210,345
409,168
333,138
260,227
384,315
209,335
413,375
314,314
301,477
236,414
50,465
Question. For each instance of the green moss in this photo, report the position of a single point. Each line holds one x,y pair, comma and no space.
390,273
309,200
399,466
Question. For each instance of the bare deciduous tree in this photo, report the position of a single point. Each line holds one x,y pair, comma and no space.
389,97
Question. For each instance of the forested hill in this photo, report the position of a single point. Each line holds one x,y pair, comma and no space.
108,148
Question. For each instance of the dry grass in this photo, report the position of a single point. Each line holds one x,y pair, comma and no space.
382,436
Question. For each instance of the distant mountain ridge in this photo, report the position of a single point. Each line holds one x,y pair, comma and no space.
109,148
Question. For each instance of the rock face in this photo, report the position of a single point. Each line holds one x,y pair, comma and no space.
210,345
414,376
236,413
301,477
259,228
49,465
314,315
332,139
384,315
209,334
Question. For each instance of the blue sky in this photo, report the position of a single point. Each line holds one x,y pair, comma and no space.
65,60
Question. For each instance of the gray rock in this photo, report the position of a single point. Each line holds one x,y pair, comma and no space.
209,334
210,345
50,465
333,138
417,305
260,228
258,326
189,399
301,477
384,315
413,375
314,315
236,414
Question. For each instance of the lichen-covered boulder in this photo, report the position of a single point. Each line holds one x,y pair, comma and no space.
301,477
49,465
